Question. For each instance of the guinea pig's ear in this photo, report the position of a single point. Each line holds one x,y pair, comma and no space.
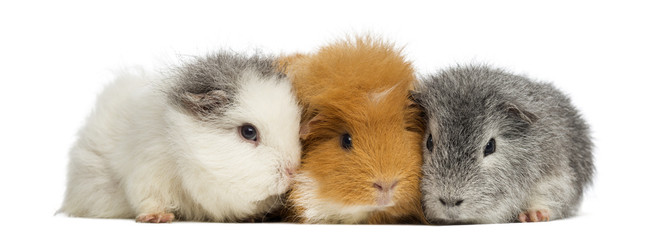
305,127
415,99
416,117
414,95
524,115
204,103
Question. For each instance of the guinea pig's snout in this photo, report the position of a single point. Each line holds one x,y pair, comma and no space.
451,202
384,192
290,172
288,165
385,186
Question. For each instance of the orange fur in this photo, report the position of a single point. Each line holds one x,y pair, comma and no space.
361,87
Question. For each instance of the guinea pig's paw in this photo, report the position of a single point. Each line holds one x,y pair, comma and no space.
534,215
162,217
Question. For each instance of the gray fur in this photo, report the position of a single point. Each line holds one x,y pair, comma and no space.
207,85
543,158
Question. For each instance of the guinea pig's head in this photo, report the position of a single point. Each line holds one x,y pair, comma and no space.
360,129
475,150
238,122
362,153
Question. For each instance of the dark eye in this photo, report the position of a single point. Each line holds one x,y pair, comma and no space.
490,148
430,143
346,141
249,132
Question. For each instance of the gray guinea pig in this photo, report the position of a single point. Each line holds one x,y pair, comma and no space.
500,148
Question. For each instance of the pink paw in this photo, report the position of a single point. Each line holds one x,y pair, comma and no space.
155,218
541,215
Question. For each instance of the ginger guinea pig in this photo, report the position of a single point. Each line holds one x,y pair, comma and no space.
501,148
361,135
216,140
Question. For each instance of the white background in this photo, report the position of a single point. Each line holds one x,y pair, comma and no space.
55,56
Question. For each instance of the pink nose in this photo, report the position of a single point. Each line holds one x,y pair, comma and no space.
385,186
385,192
290,172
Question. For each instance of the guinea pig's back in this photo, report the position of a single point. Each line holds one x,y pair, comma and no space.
559,125
92,187
568,129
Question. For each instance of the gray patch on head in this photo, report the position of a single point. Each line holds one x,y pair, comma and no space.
206,86
542,138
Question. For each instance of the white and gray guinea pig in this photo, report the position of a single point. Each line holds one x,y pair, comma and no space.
215,140
500,148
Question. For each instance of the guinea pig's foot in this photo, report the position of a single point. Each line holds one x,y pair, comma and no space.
162,217
540,215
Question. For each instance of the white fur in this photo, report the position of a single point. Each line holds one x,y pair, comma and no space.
139,155
376,97
317,210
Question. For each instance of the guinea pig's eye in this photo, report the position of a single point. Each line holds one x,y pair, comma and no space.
248,132
346,141
430,143
490,148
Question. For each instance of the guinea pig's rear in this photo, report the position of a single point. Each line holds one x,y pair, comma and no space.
361,159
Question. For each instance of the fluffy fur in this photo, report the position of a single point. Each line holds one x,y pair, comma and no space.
358,87
158,147
542,162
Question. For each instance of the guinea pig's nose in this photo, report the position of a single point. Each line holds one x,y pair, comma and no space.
290,172
451,202
385,186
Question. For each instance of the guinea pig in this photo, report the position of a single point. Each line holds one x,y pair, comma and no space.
215,139
500,148
360,133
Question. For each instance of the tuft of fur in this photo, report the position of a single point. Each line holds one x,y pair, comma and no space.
543,157
157,145
359,87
